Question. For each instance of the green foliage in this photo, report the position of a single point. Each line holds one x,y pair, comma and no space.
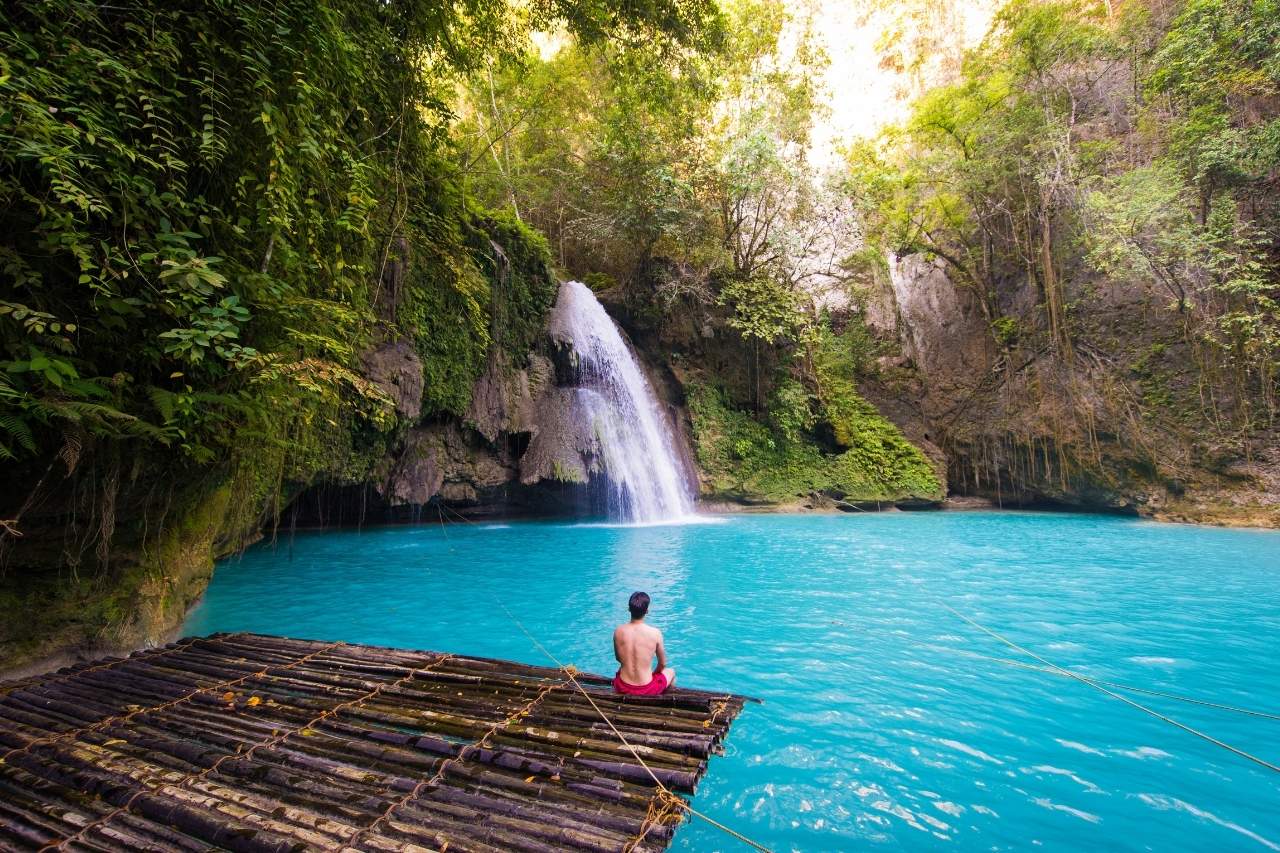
624,157
1217,56
792,412
741,456
199,200
191,195
592,146
846,355
1076,131
763,309
517,259
820,435
1005,331
485,282
1143,223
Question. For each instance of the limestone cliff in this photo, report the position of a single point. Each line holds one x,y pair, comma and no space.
1111,425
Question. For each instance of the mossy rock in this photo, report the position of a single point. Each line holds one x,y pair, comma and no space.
742,458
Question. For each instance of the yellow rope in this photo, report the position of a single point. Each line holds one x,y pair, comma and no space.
121,718
1097,686
661,807
663,790
664,793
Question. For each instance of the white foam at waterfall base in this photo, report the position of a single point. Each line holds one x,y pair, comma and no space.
638,452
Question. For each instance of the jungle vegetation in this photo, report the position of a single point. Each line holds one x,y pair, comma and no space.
210,211
1092,145
1082,151
206,212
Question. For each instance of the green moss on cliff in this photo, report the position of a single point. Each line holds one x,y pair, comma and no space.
517,260
477,279
739,456
141,598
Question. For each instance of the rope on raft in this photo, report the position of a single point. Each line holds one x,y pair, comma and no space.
1099,687
664,793
74,733
669,800
462,754
249,753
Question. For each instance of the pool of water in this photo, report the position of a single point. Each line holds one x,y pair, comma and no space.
886,724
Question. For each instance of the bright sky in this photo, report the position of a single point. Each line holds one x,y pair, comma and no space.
863,95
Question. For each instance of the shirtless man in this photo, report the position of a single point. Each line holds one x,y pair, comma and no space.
634,645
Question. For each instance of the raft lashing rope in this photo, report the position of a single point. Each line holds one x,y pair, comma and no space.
669,800
667,797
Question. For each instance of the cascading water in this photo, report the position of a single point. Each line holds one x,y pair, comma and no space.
636,447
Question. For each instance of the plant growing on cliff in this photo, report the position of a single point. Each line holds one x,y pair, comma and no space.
741,457
194,204
200,206
1083,146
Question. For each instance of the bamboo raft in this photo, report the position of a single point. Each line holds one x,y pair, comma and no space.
248,742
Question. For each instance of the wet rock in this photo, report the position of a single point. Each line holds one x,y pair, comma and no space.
441,460
503,400
397,370
565,447
918,504
565,361
417,476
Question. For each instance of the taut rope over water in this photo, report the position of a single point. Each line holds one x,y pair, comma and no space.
1266,715
664,793
1098,686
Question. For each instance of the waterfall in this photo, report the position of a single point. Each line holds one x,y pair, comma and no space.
637,450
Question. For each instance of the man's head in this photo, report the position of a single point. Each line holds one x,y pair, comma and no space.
638,604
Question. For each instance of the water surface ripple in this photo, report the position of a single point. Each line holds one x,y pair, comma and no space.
886,725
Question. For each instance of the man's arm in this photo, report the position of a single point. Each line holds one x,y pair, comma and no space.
661,653
617,654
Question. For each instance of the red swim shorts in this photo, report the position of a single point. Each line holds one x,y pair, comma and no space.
653,688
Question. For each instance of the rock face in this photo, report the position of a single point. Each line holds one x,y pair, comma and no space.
564,447
532,439
940,326
397,370
503,399
443,460
1021,422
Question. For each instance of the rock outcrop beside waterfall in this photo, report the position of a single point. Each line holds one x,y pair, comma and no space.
578,422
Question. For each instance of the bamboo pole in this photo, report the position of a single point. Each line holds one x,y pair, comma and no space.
263,743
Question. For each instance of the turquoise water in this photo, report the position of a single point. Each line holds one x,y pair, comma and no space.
882,728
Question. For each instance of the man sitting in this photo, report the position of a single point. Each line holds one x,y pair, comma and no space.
634,645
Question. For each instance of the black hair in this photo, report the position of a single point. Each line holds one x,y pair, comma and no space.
638,604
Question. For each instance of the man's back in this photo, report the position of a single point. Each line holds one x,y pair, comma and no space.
635,644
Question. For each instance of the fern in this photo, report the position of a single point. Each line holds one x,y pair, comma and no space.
18,431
